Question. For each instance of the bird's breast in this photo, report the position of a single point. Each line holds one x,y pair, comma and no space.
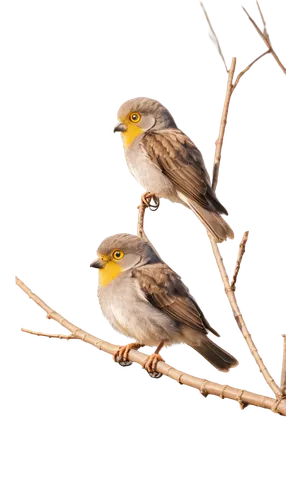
126,308
149,175
120,306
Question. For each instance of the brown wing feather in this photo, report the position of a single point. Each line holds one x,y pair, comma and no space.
164,289
180,160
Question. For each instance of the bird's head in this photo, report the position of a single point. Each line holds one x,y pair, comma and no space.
120,253
139,115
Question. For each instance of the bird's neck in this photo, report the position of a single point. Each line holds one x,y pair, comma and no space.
110,271
131,134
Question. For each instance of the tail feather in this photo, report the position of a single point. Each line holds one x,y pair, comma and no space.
214,354
213,221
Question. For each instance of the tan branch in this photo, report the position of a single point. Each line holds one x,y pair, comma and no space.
239,259
206,387
228,289
231,83
265,37
214,38
223,122
283,373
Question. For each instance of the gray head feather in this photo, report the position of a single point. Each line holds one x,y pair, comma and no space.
129,244
148,107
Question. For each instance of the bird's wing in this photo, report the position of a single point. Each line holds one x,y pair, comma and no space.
179,159
164,289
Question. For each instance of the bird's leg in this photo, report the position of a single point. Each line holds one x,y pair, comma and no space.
121,354
151,363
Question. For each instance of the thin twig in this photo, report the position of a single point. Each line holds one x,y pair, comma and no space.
239,259
247,68
283,372
253,22
214,38
267,40
66,337
265,32
223,121
206,387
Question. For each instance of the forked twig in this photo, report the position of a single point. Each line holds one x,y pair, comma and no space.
206,387
265,36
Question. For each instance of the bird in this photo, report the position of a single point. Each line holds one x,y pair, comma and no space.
143,298
168,164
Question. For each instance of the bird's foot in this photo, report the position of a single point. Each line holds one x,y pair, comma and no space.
121,356
151,363
147,198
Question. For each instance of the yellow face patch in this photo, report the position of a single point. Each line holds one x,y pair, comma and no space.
110,271
133,130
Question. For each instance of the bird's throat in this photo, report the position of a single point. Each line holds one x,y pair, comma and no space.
110,271
130,135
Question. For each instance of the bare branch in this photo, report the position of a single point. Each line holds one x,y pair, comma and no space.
206,387
213,37
239,259
222,271
228,289
283,373
266,39
223,121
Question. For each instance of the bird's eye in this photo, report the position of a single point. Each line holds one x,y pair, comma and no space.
118,254
135,117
